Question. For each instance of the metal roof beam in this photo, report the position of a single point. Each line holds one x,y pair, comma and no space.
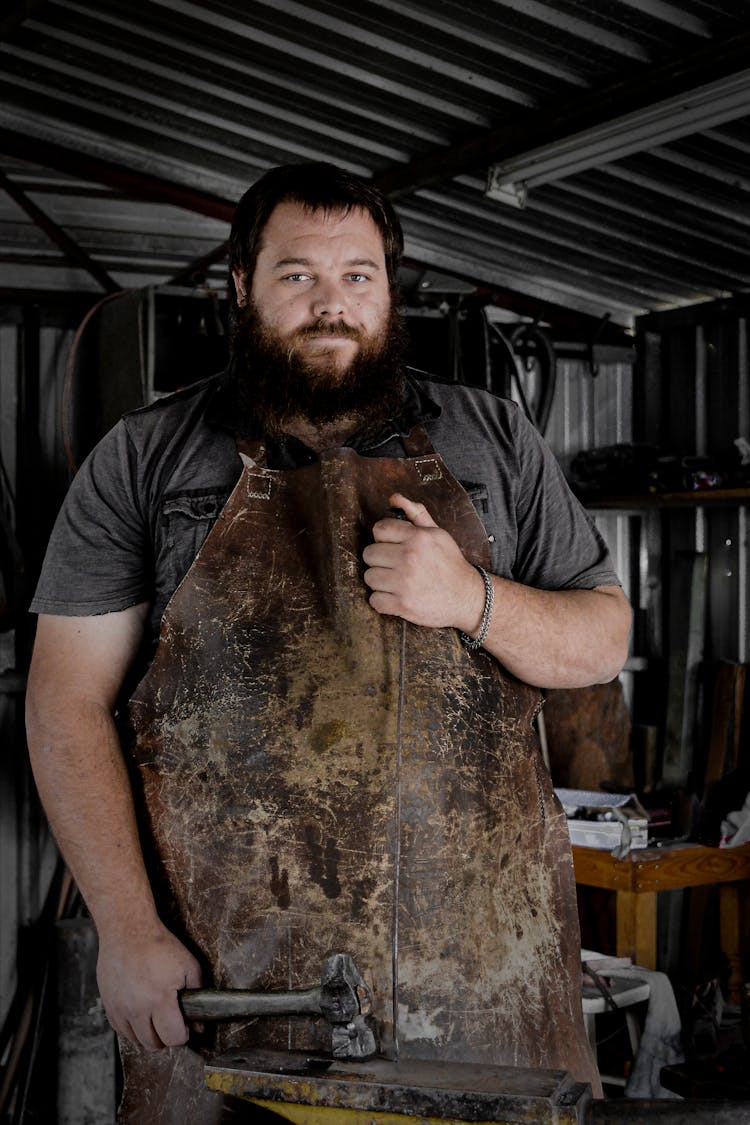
531,129
190,273
131,183
151,188
69,246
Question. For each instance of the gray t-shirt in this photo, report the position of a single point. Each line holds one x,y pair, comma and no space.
143,502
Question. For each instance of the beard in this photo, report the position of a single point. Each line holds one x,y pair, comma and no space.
275,383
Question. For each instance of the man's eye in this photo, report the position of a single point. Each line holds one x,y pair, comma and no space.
297,277
358,277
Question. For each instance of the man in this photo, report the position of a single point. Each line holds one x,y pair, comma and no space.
331,746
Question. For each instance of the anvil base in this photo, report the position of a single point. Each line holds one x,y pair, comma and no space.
309,1090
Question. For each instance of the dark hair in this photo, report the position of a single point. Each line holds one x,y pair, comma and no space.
320,186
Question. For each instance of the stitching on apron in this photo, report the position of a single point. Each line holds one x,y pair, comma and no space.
260,489
428,469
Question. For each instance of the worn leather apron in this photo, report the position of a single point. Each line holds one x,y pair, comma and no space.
317,778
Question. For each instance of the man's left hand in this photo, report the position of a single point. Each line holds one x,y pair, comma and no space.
416,571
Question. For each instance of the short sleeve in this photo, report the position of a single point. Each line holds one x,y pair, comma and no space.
558,546
97,560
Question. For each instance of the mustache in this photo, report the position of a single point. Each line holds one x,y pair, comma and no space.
323,327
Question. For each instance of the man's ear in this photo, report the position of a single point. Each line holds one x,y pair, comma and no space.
240,287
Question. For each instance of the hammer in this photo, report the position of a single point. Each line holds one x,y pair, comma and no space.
342,998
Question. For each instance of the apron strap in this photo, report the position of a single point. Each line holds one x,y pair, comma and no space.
252,450
417,443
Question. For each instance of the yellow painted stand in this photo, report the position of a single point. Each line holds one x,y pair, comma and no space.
326,1115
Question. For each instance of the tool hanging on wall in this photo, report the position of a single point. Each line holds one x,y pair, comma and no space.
523,361
132,347
533,349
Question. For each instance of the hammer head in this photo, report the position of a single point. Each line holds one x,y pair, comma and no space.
346,1002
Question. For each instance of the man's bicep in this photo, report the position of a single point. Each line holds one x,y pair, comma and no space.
85,657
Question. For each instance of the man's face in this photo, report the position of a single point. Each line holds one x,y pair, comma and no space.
320,287
318,336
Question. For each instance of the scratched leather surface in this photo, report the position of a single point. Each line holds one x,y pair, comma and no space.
267,744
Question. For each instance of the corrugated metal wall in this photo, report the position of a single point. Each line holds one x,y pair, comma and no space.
593,408
689,396
694,401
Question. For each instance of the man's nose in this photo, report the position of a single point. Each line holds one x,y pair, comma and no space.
328,300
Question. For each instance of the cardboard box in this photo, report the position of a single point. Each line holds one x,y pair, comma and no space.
614,822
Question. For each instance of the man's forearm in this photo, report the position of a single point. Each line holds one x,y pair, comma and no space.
85,790
549,638
556,638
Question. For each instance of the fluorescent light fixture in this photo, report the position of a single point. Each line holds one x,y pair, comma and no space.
692,112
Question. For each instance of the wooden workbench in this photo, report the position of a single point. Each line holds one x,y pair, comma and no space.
637,880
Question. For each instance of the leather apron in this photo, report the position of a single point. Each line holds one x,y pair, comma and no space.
318,778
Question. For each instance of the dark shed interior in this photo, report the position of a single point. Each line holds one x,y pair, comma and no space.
573,180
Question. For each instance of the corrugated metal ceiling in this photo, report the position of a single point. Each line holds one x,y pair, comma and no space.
135,127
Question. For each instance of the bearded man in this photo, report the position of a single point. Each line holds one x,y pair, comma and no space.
338,587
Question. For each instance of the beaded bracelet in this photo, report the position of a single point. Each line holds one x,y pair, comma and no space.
489,601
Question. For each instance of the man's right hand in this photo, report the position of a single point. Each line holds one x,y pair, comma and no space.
139,978
75,678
